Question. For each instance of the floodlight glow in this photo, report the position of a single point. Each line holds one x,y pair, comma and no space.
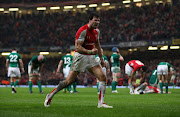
59,52
6,11
1,9
41,8
152,48
126,2
13,9
164,48
136,0
135,49
105,4
55,8
130,50
174,47
147,3
5,53
68,7
112,7
93,5
158,2
43,53
81,6
127,5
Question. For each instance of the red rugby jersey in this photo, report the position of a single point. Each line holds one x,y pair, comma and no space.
88,36
135,64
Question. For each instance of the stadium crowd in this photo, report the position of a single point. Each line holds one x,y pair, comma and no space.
151,22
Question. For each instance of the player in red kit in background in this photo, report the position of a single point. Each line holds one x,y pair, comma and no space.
131,68
87,45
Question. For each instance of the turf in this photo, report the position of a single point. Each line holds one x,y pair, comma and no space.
84,104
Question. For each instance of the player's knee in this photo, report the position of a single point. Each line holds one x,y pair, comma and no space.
69,81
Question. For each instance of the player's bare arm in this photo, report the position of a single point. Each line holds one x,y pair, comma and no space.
59,67
21,65
142,77
132,75
40,67
32,66
7,65
98,46
171,73
82,50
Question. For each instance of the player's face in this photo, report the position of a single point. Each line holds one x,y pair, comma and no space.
95,22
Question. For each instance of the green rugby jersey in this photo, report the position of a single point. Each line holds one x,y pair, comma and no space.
166,63
67,60
13,59
153,77
35,61
115,60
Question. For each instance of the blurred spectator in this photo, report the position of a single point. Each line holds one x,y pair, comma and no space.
152,22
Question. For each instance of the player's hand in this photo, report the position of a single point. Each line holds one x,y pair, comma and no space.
57,72
22,71
117,50
102,63
36,74
94,51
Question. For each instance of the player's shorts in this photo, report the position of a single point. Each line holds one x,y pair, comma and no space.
104,70
82,62
115,69
34,70
162,70
128,69
173,77
66,71
14,72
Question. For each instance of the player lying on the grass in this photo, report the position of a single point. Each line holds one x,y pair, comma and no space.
162,71
12,65
130,69
34,68
144,88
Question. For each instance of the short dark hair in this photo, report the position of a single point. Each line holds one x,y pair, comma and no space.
144,68
68,50
93,15
14,49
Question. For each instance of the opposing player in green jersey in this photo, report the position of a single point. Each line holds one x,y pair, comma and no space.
162,71
106,68
66,62
116,68
34,68
12,65
153,81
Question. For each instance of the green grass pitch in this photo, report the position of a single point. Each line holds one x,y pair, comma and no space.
84,104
